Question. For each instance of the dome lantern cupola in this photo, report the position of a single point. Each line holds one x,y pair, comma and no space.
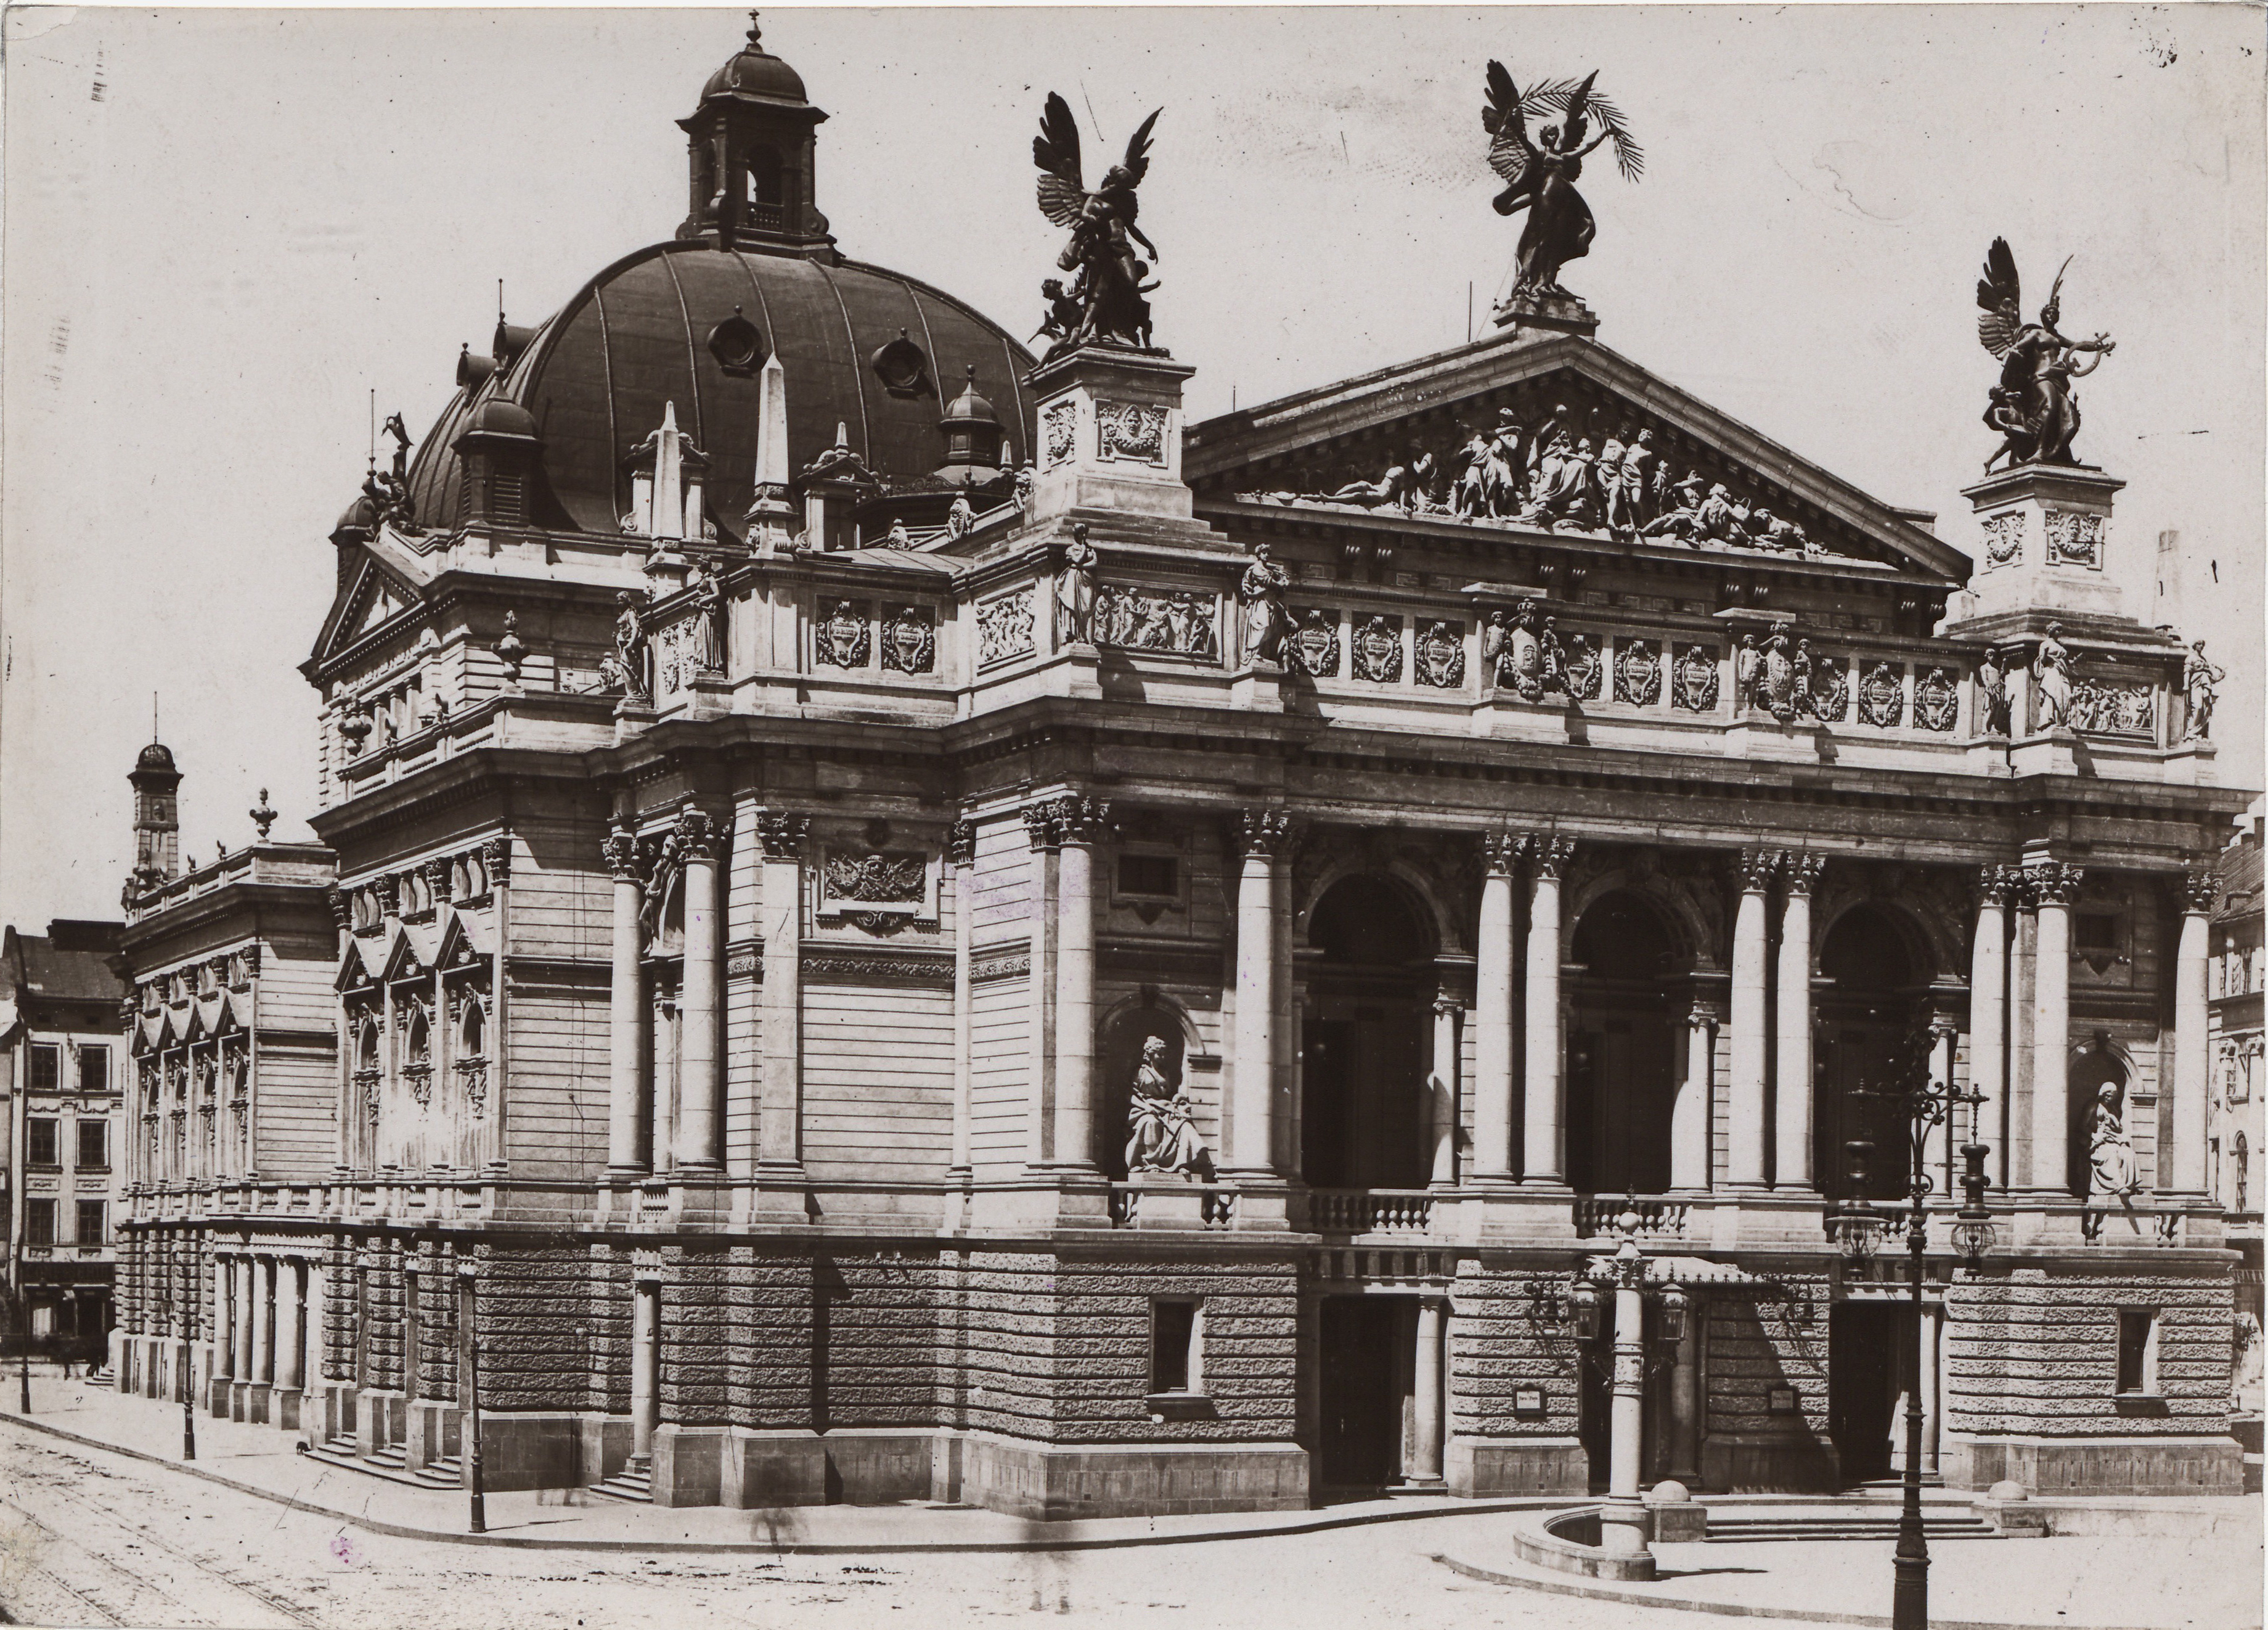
972,436
751,152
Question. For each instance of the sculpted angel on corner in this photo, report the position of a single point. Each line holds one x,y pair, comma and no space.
2033,406
1539,174
1107,290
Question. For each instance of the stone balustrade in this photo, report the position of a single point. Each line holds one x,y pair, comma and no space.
1369,1211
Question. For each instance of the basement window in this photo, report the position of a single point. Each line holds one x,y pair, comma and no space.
1157,876
1176,1359
2137,1352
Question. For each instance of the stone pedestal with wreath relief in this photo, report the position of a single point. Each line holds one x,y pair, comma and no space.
1110,434
2045,541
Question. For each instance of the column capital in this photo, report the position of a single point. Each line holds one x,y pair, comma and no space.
1446,1005
1500,852
1078,819
961,843
1548,852
1999,885
2054,882
698,834
1702,1016
1039,826
1756,867
2199,890
782,834
621,853
496,854
1799,870
1263,832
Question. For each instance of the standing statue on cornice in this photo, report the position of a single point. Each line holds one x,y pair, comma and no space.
1109,287
2032,406
1541,176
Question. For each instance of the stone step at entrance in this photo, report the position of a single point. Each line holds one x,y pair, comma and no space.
633,1483
1840,1525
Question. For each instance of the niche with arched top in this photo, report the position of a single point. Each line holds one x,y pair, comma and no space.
1868,1041
1364,1109
1622,1032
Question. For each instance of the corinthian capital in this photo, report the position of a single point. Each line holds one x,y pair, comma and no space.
1999,885
1799,870
697,834
2199,890
1757,868
1548,853
2054,882
782,834
961,843
1078,819
1500,852
1264,832
1039,826
621,850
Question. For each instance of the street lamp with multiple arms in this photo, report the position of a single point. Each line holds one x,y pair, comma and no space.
1918,1110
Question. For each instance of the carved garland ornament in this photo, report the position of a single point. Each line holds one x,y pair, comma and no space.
1059,431
1132,430
1695,687
910,641
1936,702
2074,540
1831,692
1313,648
1586,674
1881,697
1441,656
2004,539
1638,675
840,639
1378,651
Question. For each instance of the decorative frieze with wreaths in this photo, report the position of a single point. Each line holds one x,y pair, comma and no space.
1312,647
1936,701
1378,650
1058,433
2004,540
1130,431
2074,539
881,892
1694,686
842,636
1882,696
1438,655
908,640
1638,673
858,965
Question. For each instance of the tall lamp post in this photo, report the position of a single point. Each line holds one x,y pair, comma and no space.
1915,1111
480,1503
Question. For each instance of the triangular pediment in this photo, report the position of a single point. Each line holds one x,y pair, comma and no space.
1296,451
373,596
406,957
354,973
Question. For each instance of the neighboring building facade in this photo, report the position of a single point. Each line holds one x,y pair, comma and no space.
2240,972
232,1046
762,953
65,1070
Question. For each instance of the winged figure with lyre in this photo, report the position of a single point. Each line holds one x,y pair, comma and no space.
2032,407
1539,174
1106,290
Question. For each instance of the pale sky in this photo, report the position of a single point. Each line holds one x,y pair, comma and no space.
224,228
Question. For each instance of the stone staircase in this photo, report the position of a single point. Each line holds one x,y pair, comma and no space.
1840,1522
390,1462
633,1483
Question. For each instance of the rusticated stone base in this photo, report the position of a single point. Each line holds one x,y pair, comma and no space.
2097,1465
1492,1467
1739,1463
1049,1483
523,1451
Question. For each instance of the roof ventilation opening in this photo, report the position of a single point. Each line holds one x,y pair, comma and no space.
903,366
737,345
473,372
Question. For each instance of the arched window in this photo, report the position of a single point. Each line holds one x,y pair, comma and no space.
366,1046
418,1041
2240,1173
763,174
473,1032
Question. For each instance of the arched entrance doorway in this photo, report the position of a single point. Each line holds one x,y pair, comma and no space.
1370,990
1865,1040
1621,1047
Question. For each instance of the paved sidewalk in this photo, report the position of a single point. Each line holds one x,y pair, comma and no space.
261,1461
2162,1583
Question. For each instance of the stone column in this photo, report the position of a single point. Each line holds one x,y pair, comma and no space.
1932,1386
645,1365
1422,1469
700,1104
2185,1173
1622,1531
247,1349
1252,1136
224,1323
2057,884
1747,1138
779,1131
1040,831
1685,1401
1942,1159
1543,1152
961,851
1988,1019
626,1043
1792,1115
1080,824
1493,999
292,1333
1690,1115
263,1320
1442,1093
2023,964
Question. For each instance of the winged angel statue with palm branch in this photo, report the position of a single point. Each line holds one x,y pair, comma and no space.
1104,300
1540,175
2033,406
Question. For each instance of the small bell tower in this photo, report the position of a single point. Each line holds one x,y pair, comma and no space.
751,154
157,817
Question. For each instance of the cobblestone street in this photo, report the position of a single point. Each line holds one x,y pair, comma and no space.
92,1538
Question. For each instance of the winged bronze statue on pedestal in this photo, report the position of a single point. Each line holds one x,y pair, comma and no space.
2032,407
1540,175
1105,299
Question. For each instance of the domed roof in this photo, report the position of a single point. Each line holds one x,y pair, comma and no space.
969,404
861,347
157,756
755,72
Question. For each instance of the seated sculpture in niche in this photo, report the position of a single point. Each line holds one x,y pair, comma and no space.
2112,1173
1161,1133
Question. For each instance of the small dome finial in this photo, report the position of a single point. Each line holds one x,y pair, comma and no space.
755,30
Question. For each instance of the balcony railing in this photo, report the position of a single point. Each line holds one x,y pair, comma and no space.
1657,1218
1369,1211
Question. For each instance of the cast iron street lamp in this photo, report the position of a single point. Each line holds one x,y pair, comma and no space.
1918,1110
480,1522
